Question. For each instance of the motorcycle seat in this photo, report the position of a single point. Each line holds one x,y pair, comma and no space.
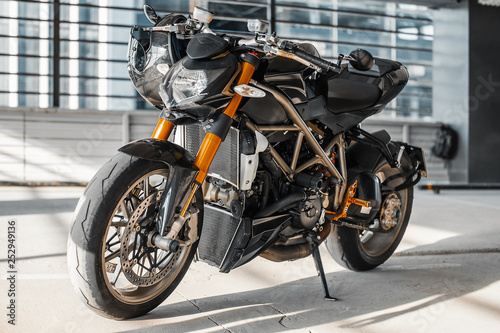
351,92
355,90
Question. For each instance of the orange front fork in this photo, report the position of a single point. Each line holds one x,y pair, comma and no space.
211,142
163,130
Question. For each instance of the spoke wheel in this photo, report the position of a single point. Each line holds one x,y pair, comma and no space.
113,263
137,271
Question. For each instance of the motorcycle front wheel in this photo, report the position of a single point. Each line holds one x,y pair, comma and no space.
357,251
114,267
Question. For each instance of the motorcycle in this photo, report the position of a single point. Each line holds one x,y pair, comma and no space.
271,162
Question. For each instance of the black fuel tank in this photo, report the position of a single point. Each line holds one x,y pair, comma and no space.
264,111
267,111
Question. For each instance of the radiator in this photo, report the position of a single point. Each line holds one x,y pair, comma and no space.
226,164
219,228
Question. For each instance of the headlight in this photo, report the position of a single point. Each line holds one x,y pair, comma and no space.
197,88
185,86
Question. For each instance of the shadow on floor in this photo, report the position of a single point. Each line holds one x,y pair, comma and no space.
402,286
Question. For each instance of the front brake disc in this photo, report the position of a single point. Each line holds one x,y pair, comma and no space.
143,265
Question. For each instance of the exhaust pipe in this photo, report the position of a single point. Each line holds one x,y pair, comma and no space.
283,203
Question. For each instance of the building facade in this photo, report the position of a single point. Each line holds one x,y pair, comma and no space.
72,53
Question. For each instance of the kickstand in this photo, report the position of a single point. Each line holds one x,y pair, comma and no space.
321,272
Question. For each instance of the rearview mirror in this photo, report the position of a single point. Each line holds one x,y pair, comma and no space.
258,26
362,60
151,14
202,15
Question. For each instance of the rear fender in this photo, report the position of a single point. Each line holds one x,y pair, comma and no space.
182,173
367,155
363,156
369,148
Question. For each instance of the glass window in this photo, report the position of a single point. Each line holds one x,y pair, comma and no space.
374,8
4,82
88,68
4,64
64,85
88,86
163,6
94,38
29,28
118,70
120,88
119,34
85,102
313,16
4,98
132,4
88,50
88,15
88,32
237,10
124,104
413,56
28,99
28,83
126,17
30,65
357,21
4,7
30,10
326,4
310,32
361,37
28,46
228,25
4,25
117,52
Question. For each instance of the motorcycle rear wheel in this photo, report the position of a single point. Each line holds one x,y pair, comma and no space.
346,246
113,266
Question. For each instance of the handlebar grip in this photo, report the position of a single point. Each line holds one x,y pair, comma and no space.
321,63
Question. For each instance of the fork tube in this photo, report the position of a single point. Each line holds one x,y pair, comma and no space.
213,139
206,154
163,130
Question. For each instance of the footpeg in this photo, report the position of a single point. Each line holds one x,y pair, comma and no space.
321,272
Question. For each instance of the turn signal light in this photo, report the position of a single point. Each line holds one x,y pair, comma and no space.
249,91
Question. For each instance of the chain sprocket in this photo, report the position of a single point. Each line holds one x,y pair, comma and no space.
390,214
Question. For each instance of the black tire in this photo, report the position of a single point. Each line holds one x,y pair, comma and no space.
345,246
120,200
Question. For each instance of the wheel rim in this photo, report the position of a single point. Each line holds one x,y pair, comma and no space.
135,271
380,242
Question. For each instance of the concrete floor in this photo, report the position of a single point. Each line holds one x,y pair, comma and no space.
444,278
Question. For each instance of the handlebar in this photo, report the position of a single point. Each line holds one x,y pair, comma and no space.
321,63
325,65
273,45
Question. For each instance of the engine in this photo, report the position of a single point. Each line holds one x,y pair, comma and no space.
270,192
